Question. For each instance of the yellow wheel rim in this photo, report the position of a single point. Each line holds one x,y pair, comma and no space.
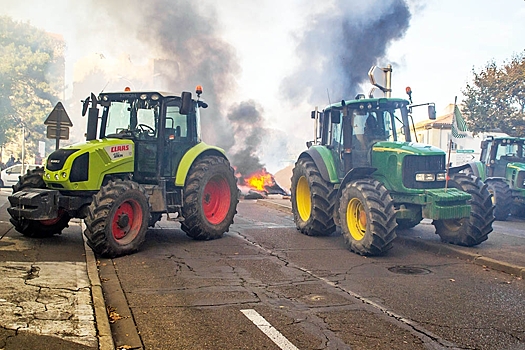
356,219
302,199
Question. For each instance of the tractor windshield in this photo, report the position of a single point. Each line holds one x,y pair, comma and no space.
510,151
133,117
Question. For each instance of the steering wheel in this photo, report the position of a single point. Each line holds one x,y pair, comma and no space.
145,129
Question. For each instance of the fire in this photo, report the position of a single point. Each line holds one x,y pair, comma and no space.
258,184
260,180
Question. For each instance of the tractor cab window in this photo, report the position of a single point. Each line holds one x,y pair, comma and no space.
118,117
509,152
176,124
133,118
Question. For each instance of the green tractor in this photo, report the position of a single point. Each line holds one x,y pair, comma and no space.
502,167
143,157
363,174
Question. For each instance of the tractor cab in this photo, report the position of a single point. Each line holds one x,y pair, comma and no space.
161,126
498,152
351,128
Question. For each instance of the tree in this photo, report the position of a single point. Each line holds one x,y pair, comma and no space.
495,99
31,79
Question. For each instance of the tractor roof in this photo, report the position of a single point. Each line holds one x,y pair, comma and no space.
378,102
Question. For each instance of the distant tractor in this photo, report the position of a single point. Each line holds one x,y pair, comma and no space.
363,173
503,170
143,157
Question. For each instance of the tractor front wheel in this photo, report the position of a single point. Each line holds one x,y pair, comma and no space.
117,219
38,228
210,198
473,230
312,200
501,197
368,218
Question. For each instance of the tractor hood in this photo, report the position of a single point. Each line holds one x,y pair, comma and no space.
82,166
407,148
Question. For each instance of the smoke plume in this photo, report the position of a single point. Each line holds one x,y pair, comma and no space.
340,46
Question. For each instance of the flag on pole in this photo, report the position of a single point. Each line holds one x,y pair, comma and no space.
459,126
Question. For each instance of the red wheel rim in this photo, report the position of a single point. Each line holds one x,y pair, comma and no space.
127,220
216,200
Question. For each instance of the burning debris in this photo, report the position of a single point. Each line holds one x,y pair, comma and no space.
259,185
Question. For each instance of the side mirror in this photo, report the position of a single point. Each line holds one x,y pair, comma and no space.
185,106
312,115
484,144
85,105
431,112
335,116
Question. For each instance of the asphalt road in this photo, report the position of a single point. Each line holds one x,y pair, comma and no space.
266,286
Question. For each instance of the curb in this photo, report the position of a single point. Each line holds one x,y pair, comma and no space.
437,248
105,338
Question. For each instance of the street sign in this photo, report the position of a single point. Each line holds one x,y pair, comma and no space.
58,116
52,132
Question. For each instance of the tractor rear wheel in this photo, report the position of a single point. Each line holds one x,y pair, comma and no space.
501,197
117,219
210,198
368,218
473,230
312,200
38,228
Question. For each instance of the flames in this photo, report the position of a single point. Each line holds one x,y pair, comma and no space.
258,184
260,180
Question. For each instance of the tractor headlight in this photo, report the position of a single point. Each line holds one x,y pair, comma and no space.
441,177
63,174
57,177
425,177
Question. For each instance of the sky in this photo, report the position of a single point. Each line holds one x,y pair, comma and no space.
269,42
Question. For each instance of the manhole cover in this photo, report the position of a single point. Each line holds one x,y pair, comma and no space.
409,270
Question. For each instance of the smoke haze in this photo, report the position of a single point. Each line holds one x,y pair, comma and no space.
174,45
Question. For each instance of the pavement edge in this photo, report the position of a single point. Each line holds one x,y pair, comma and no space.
437,248
101,317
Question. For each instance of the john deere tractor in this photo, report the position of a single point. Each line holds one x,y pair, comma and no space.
143,157
363,173
502,167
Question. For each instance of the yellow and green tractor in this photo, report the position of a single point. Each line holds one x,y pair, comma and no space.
143,157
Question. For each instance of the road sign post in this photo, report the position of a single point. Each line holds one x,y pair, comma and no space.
58,124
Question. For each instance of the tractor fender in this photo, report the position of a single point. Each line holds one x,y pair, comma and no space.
322,157
353,174
477,169
191,155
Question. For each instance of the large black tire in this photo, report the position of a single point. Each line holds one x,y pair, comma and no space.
210,198
313,200
501,197
473,230
117,219
368,218
38,228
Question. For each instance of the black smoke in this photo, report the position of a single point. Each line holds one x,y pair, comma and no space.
246,120
338,48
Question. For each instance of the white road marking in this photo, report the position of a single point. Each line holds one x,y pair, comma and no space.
269,330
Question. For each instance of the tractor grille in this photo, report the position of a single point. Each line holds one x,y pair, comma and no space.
56,160
422,164
520,181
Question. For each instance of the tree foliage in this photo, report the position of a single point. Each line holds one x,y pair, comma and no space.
495,99
31,80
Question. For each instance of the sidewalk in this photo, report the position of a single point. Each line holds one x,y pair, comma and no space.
50,295
504,250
